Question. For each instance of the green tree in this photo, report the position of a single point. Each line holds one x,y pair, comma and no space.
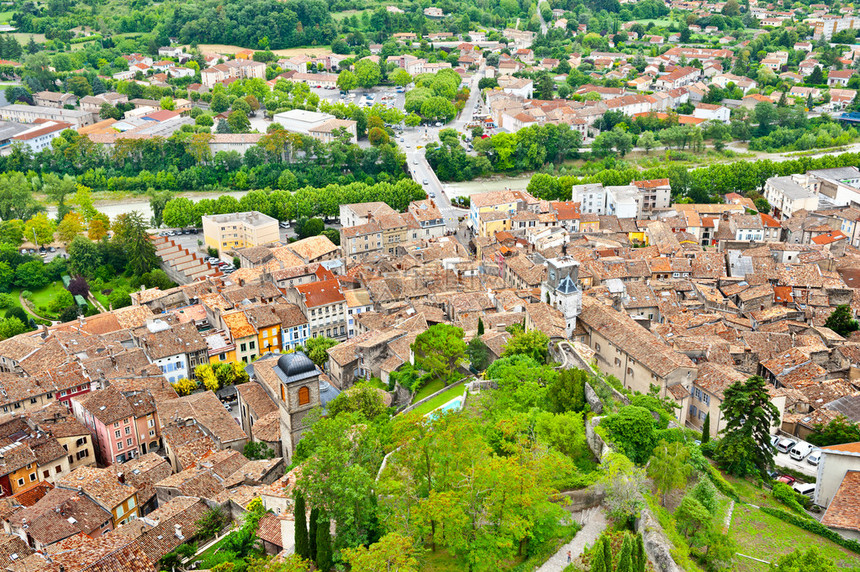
412,120
238,121
301,527
393,552
324,553
705,493
70,227
647,141
748,414
691,517
257,450
40,229
842,321
639,558
312,533
130,233
367,73
400,78
316,349
668,467
632,429
361,398
220,102
157,201
625,557
480,327
478,354
440,350
706,429
567,391
534,344
12,232
762,205
347,81
837,432
816,77
31,275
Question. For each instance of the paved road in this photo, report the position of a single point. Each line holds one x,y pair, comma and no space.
593,524
420,169
543,25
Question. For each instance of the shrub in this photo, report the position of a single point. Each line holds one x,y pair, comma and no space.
6,301
721,483
705,493
786,495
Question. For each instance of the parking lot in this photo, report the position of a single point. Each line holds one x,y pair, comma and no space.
785,460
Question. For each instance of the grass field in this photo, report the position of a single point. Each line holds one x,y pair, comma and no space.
429,389
439,400
24,39
767,538
44,297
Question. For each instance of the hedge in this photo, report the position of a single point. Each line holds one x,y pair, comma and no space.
811,525
722,484
86,39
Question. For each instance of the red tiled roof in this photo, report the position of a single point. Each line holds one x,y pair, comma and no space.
321,293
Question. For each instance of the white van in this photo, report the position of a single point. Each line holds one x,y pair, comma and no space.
800,451
814,457
806,489
785,445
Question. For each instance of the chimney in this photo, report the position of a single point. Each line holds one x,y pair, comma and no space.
178,532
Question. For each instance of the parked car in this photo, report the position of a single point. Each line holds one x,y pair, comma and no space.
806,489
800,451
432,195
785,445
426,182
774,441
787,479
814,457
285,224
228,407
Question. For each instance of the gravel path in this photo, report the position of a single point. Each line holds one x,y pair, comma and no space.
593,523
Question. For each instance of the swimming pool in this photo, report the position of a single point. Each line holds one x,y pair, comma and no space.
454,405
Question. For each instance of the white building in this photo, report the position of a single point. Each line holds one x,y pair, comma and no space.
320,126
711,112
787,196
40,134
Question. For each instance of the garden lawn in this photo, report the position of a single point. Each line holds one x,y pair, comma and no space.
428,389
767,538
440,400
120,282
42,298
212,549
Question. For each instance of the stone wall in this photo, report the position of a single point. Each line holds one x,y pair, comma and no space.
581,499
657,545
593,399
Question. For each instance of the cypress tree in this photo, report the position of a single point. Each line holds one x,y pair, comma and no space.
301,534
607,554
625,558
706,429
312,534
598,563
640,554
480,327
324,554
